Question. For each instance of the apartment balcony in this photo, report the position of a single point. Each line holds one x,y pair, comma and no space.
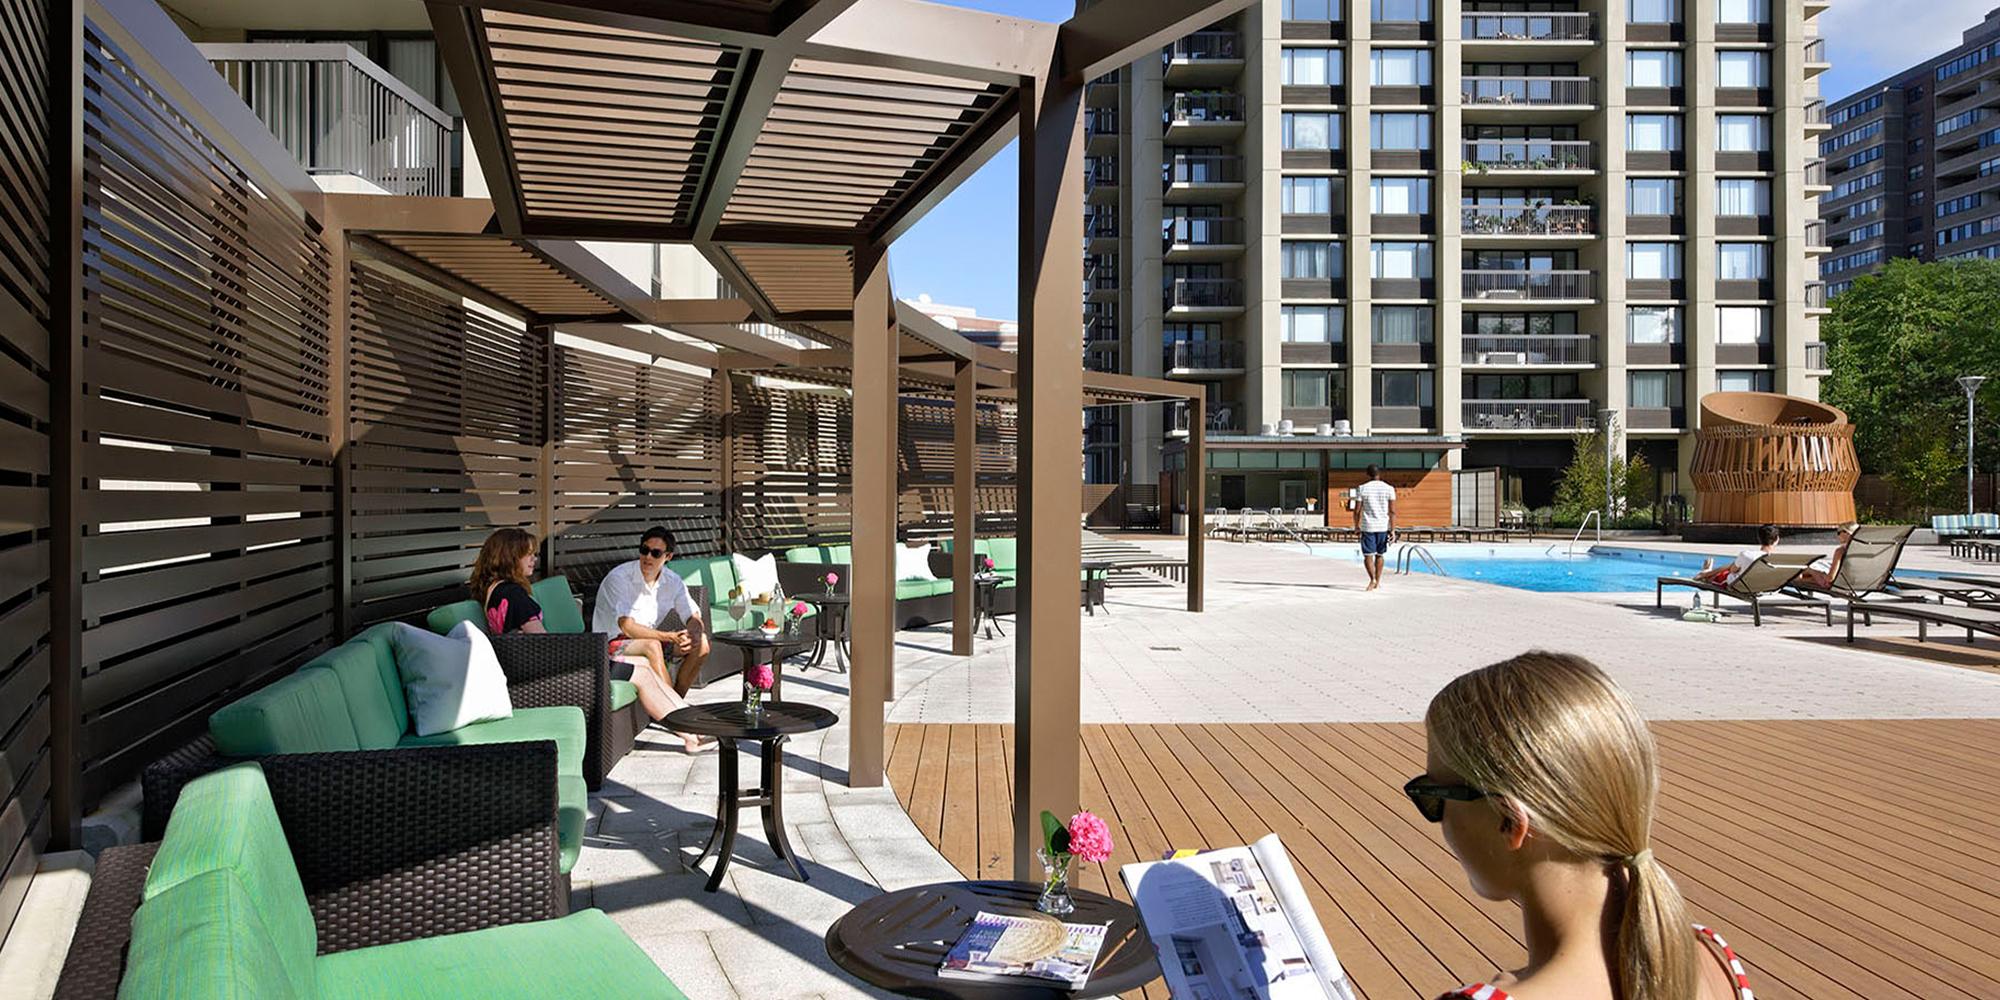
1555,416
1814,7
1225,416
1816,123
1816,297
1816,239
341,115
1100,323
1516,157
1189,177
1202,358
1655,418
1497,30
1100,180
1816,358
1527,286
1816,60
1101,232
1569,350
1194,119
1815,177
1188,240
1100,131
1524,98
1203,58
1100,284
1204,297
1101,95
1547,222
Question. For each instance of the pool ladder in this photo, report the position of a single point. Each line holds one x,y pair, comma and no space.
1417,552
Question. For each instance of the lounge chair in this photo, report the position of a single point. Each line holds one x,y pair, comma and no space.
1868,567
1770,574
1926,614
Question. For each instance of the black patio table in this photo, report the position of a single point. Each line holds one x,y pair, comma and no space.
829,628
773,724
985,591
760,646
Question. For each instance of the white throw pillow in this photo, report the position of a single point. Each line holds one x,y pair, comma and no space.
755,576
914,563
451,681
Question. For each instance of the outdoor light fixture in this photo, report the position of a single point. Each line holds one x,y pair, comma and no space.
1971,384
1609,418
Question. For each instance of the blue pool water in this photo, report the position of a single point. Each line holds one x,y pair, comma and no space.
1600,569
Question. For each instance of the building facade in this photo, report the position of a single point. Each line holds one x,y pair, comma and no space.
1912,163
1455,232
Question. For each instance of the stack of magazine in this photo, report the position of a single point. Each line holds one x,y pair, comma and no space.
1235,924
998,948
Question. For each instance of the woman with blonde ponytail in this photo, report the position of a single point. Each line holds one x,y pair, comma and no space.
1544,778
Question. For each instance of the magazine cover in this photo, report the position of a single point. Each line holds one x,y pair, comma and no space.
997,946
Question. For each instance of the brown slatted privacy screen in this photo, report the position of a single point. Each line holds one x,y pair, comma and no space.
924,500
445,438
637,445
208,522
24,452
794,463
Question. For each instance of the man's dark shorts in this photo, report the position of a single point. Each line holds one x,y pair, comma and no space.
1374,543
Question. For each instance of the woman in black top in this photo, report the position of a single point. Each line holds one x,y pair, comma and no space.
500,583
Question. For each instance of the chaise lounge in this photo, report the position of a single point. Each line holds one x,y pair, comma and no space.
1770,574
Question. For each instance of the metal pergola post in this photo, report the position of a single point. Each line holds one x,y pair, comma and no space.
872,583
964,499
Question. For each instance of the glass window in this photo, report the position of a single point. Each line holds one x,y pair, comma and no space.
1742,11
1743,381
1400,324
1311,67
1399,196
1652,196
1401,260
1403,388
1652,261
1315,130
1652,68
1653,11
1399,131
1742,68
1742,261
1400,67
1742,133
1400,10
1309,389
1312,324
1742,325
1655,390
1652,133
1653,325
1309,10
1306,195
1310,259
1742,196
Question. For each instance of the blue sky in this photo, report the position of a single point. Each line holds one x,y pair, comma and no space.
962,253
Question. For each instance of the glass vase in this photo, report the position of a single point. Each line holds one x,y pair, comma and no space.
1055,899
753,702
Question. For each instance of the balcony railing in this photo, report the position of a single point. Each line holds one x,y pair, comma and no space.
1815,112
1816,356
1816,295
1526,154
1526,220
1204,293
1527,285
1815,51
1205,108
1103,278
1529,414
1203,232
340,113
1543,349
1502,27
1529,91
1100,171
1101,227
1206,45
1202,168
1202,355
1816,234
1100,121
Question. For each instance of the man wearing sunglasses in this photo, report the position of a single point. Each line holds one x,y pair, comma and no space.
643,602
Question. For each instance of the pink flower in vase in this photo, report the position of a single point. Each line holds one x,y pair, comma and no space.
760,677
986,563
799,609
1089,837
832,578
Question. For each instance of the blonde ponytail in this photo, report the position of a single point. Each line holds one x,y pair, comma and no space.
1656,947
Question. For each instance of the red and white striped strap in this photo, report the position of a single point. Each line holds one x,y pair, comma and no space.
1729,957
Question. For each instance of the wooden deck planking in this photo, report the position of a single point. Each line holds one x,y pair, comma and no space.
1844,859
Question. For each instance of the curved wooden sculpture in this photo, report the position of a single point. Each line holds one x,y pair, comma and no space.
1765,458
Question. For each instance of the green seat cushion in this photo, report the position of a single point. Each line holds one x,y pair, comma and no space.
560,612
907,589
378,722
376,638
806,554
572,809
561,723
1002,551
204,938
581,955
443,620
840,554
304,712
623,693
224,823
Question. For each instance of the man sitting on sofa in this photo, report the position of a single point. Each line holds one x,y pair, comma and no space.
638,600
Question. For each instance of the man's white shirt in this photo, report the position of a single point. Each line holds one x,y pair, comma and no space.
625,593
1373,498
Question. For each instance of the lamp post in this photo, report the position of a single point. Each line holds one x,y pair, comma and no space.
1609,418
1971,384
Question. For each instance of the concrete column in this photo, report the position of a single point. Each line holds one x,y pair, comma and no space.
1139,297
1608,383
1448,323
872,587
1699,262
1791,328
1360,293
1263,137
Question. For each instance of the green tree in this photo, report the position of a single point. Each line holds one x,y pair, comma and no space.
1931,478
1581,488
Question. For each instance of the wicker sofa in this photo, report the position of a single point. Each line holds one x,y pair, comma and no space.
918,602
336,875
349,701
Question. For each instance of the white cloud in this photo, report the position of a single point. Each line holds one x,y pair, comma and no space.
1887,35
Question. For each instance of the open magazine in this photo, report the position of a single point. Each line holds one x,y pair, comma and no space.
1235,924
998,947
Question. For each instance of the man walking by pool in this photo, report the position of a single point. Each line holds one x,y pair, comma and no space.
1375,522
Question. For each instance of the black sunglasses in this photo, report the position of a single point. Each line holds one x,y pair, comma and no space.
1429,796
646,550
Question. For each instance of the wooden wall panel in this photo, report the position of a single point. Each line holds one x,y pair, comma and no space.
924,467
24,452
793,468
1423,496
208,545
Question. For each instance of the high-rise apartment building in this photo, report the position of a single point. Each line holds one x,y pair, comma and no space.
1446,236
1912,163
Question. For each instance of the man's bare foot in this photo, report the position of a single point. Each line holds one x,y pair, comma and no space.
696,744
1372,584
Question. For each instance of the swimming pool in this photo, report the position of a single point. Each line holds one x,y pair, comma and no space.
1546,569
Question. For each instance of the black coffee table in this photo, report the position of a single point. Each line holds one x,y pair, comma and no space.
898,939
985,590
829,628
729,724
760,646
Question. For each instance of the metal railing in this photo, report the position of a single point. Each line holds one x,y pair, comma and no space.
1531,91
1204,293
1533,285
1816,356
1100,121
1526,27
1816,234
1202,168
1100,171
1529,414
340,113
1101,226
1542,349
1815,51
1526,154
1816,295
1205,45
1103,278
1224,416
1205,108
1203,232
1815,112
1526,220
1193,355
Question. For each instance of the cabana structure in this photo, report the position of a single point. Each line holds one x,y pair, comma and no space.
244,418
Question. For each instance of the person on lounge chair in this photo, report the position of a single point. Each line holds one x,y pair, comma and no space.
1822,572
1767,539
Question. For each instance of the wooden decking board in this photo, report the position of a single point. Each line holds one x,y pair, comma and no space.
1843,859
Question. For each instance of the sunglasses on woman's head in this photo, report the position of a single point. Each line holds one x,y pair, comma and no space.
647,550
1429,796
